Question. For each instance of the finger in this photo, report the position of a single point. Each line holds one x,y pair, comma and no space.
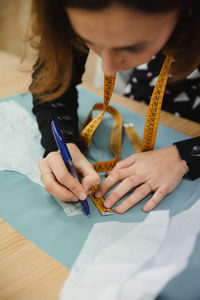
125,163
140,193
54,188
113,179
90,176
90,180
155,200
63,176
85,169
122,189
43,166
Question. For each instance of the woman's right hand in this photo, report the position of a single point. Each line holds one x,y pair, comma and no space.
60,183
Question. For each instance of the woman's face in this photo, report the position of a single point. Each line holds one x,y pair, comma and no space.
123,37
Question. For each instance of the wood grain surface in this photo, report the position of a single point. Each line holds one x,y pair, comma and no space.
26,272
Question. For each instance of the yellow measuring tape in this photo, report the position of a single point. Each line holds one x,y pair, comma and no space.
153,114
99,203
150,129
116,135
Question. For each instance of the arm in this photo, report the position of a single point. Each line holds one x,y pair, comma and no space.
54,174
63,110
189,151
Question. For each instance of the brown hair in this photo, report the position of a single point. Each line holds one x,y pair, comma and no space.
54,38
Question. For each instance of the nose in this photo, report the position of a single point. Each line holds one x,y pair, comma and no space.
111,62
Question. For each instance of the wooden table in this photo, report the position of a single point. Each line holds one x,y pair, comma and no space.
26,272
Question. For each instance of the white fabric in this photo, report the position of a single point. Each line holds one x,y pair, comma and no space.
171,259
20,147
116,265
112,265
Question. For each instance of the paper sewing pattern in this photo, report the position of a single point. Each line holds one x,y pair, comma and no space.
138,264
104,234
21,148
171,259
113,266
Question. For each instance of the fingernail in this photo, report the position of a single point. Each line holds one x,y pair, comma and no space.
148,207
88,188
121,208
98,194
82,196
75,199
107,203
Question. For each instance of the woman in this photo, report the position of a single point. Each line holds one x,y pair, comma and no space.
125,33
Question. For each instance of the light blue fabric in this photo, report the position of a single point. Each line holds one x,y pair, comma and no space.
30,210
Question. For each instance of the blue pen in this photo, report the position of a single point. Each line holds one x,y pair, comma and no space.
67,159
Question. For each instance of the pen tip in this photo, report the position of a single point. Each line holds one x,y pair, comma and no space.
85,207
87,213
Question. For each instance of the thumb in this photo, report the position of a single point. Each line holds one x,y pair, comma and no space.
90,178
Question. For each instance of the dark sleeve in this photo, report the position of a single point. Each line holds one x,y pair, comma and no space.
63,109
189,151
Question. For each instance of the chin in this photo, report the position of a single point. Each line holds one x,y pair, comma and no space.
126,68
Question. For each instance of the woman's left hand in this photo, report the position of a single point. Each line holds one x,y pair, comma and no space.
157,172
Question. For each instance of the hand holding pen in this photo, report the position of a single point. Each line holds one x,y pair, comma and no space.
58,181
68,160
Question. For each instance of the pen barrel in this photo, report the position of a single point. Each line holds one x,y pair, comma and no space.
71,169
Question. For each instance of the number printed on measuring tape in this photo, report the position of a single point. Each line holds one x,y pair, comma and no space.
153,114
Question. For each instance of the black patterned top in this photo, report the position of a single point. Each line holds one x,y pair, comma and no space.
181,98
